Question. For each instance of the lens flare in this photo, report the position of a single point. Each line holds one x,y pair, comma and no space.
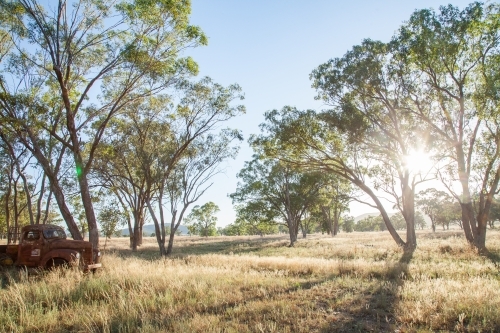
418,161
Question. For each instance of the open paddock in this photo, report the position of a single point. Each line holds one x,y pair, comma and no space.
352,282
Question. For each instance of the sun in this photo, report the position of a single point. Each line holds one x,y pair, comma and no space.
418,161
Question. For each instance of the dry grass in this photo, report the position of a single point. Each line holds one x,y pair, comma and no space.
353,282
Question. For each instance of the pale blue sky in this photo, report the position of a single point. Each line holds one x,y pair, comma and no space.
270,47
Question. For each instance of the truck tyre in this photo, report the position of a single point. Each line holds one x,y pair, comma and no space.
56,262
5,260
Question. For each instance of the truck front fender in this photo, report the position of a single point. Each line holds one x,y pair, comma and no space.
70,256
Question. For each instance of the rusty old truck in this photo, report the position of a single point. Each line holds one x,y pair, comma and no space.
46,246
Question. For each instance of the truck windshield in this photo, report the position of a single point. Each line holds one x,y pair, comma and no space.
54,233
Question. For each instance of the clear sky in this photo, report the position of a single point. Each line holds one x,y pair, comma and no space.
270,47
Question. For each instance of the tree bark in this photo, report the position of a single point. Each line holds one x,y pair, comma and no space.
329,223
54,182
170,242
135,236
89,211
7,205
467,214
63,208
382,211
408,198
173,229
293,235
159,229
336,217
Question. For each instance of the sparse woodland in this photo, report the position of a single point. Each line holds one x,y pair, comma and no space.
104,124
354,282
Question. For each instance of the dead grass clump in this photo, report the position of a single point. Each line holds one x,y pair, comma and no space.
445,249
443,303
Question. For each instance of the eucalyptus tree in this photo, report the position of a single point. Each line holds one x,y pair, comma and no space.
335,195
376,223
431,201
494,213
364,138
309,222
420,220
366,90
453,58
20,126
23,184
111,218
312,142
348,223
254,218
196,144
20,162
450,213
159,152
203,220
189,180
117,166
279,190
5,191
94,59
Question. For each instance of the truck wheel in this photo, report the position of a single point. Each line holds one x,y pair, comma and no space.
5,260
57,262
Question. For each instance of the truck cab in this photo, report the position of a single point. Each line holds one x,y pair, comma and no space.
46,246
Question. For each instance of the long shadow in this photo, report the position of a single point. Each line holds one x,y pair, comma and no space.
221,309
378,312
376,315
494,257
195,248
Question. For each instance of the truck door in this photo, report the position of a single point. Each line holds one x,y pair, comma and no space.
30,249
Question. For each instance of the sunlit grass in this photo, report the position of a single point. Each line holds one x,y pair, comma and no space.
353,282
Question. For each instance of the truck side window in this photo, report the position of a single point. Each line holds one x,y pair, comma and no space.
32,235
54,233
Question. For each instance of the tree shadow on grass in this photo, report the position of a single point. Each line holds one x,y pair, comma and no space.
374,310
370,308
494,257
199,248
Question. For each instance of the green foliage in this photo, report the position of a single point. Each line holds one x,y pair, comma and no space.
452,59
274,191
348,224
252,218
494,213
398,221
304,139
202,219
334,201
440,207
374,223
450,213
160,152
420,221
110,219
79,215
192,229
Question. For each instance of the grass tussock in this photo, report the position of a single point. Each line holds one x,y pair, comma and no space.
353,282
